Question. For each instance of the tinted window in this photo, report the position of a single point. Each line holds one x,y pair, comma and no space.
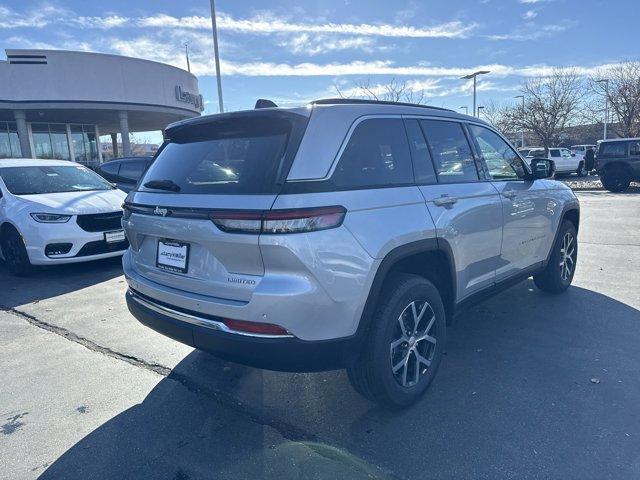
377,154
423,166
634,148
503,162
131,171
613,149
555,153
450,150
51,179
109,170
237,154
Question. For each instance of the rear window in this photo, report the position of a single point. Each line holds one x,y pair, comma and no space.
450,151
31,180
242,154
613,149
555,153
377,155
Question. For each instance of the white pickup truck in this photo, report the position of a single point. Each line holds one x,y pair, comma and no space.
565,160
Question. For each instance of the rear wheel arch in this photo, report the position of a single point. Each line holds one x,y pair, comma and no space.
573,215
431,259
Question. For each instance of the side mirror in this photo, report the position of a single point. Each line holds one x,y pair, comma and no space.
542,168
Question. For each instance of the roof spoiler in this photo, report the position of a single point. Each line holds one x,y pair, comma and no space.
264,103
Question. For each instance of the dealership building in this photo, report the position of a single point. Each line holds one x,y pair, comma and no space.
57,104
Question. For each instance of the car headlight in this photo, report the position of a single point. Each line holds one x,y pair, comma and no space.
50,217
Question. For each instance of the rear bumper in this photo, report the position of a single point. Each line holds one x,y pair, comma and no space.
277,353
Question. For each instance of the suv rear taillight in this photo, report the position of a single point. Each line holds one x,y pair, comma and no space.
299,220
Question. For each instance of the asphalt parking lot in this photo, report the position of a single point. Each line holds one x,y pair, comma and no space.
533,386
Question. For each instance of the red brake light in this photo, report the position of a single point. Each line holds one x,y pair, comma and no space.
255,327
240,221
279,221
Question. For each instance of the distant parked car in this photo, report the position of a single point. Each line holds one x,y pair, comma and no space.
124,172
524,151
618,163
565,161
56,211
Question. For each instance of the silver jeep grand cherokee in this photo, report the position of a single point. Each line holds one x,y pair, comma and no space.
345,234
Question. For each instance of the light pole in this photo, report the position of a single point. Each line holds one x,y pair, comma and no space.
521,133
215,52
606,103
186,53
474,75
466,109
480,108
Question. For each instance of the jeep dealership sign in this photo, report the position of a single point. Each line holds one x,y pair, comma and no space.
188,97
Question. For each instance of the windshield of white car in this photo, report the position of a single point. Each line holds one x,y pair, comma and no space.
33,180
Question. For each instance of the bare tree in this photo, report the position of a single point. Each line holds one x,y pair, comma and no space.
623,96
552,103
394,91
500,116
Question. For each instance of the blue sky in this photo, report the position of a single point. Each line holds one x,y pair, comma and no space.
296,51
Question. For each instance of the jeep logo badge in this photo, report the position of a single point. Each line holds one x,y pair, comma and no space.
161,211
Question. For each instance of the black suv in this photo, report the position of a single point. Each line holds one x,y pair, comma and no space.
618,163
124,172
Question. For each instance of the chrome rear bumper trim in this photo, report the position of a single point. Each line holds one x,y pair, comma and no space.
194,319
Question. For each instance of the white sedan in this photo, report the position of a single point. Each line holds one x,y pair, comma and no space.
55,211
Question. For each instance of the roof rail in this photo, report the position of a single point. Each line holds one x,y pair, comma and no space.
348,101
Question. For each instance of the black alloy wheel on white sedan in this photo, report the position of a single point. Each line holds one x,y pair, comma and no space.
14,251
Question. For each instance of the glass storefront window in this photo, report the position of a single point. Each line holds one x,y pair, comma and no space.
41,140
9,142
85,144
59,142
14,140
77,138
50,141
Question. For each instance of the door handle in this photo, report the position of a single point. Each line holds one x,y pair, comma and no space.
445,201
510,194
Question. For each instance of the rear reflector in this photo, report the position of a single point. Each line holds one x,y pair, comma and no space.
279,221
254,327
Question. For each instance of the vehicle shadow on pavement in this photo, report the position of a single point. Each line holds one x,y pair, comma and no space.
533,385
52,281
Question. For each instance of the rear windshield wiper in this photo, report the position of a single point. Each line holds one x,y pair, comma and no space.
163,185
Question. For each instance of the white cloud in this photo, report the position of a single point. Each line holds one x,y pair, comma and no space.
104,23
378,67
533,31
264,23
530,14
307,44
38,18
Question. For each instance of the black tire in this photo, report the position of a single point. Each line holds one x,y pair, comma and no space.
555,278
616,178
14,252
581,172
371,374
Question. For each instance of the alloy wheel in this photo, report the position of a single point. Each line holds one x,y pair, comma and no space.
567,256
414,343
